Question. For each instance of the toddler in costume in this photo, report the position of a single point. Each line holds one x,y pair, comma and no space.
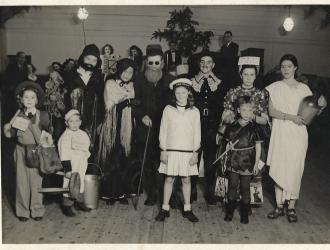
73,147
180,138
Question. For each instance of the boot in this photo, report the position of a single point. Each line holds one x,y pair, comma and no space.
82,207
245,213
162,215
67,211
230,208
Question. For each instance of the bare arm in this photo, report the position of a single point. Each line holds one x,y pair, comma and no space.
273,112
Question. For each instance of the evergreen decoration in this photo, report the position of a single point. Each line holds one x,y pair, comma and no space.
181,29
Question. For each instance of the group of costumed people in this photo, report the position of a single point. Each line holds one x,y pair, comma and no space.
175,126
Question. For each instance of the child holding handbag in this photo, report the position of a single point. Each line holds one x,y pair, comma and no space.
28,123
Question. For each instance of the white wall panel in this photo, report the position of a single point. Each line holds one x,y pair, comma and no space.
50,33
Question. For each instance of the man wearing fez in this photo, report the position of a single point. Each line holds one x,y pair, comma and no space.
86,87
152,88
208,96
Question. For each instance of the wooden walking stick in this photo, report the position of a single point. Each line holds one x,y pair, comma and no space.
135,199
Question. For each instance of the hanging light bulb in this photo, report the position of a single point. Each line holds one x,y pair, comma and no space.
288,23
82,13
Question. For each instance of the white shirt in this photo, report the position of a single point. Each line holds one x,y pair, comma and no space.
180,129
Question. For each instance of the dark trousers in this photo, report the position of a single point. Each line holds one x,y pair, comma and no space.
153,181
209,149
243,181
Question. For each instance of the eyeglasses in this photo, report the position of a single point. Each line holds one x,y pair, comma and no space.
153,62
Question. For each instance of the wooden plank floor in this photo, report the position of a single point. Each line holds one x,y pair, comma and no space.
122,224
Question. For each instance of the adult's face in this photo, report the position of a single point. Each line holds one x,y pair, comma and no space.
206,64
134,52
227,38
288,69
107,50
172,46
90,62
56,67
155,62
248,77
29,68
21,58
127,74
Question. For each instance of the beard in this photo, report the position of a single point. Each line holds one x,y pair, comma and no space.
153,75
88,67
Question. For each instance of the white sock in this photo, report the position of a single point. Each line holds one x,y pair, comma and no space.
187,207
166,207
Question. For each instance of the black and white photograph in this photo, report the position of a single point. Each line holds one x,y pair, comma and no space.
165,124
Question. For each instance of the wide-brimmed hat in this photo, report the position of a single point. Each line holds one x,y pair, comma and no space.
33,86
180,82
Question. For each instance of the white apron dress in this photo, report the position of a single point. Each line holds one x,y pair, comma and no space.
74,146
288,142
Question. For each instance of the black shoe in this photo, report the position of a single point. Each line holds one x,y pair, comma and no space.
190,216
292,215
279,211
123,201
162,215
230,208
39,218
150,202
211,200
82,207
23,218
245,213
111,201
67,211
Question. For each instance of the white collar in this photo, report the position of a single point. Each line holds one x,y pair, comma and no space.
229,43
201,76
82,72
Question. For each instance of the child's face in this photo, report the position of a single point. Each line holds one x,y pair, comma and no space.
246,110
74,122
181,95
29,99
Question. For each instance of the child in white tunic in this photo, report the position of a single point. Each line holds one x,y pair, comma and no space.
179,137
73,147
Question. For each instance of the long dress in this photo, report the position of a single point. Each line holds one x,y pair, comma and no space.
115,149
288,141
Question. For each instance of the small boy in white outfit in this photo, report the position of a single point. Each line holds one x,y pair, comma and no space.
73,147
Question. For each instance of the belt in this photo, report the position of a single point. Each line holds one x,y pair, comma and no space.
179,150
240,149
23,145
